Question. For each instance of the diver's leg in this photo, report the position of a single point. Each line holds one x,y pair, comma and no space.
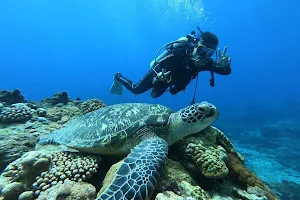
159,89
142,86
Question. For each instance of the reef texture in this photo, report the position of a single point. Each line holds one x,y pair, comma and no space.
70,190
201,166
15,113
211,161
247,178
286,190
13,146
58,99
22,124
63,114
207,151
91,105
38,171
45,174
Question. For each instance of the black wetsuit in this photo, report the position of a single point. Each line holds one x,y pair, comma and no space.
182,68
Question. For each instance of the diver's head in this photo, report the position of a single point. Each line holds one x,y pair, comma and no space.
207,45
210,40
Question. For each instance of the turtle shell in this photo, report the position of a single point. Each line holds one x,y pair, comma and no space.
109,126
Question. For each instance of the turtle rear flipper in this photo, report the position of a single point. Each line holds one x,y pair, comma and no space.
139,173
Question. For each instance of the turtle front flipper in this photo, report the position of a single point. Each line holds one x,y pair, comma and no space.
139,173
50,138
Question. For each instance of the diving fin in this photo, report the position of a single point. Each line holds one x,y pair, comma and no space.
116,88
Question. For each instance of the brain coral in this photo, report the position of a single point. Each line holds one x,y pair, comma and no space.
210,160
15,113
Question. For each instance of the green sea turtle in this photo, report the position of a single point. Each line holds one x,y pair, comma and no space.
143,130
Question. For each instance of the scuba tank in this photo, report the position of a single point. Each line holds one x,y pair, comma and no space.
191,40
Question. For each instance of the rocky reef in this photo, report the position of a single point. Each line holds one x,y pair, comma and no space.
11,97
46,173
23,122
202,166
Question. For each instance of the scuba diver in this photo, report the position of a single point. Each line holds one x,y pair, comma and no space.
178,65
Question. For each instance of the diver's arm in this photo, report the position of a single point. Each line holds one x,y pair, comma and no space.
183,41
211,65
221,70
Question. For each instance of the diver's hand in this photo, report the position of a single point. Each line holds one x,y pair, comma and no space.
223,59
164,76
198,63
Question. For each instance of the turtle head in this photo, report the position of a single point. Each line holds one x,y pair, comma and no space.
199,115
193,119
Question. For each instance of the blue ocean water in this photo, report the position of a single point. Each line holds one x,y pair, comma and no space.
77,46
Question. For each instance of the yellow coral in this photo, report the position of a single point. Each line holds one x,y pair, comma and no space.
209,160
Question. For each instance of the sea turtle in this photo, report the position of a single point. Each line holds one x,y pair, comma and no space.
143,130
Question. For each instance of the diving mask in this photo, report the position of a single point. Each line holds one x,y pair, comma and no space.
203,50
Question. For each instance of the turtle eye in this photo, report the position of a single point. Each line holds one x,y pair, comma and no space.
202,110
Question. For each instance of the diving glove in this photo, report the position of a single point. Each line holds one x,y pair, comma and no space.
163,76
223,59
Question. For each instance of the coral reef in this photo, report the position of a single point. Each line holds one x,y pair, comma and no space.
91,105
38,171
252,193
211,161
12,97
58,99
70,190
176,183
206,151
19,138
41,112
172,176
286,190
12,191
247,178
185,192
168,195
13,146
63,114
201,166
15,113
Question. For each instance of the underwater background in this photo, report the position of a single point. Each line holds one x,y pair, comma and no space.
78,46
